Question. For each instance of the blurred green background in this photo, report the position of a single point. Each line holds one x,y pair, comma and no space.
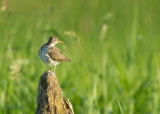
113,45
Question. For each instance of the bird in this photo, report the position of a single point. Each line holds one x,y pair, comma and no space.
50,54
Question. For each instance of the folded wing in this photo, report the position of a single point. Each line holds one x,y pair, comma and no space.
57,55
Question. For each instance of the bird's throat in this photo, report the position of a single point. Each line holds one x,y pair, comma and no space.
51,45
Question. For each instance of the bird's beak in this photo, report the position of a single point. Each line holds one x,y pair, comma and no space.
60,42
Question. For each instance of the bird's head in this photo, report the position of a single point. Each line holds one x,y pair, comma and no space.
53,41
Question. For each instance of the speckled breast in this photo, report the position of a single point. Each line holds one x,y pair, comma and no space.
43,53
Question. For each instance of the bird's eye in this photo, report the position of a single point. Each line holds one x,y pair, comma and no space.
56,39
53,39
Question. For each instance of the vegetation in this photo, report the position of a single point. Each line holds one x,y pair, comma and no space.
113,45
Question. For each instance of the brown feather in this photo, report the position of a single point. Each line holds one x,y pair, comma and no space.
57,55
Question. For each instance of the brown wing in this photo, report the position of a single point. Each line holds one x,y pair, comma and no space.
56,54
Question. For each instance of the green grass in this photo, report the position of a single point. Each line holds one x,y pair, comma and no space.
113,45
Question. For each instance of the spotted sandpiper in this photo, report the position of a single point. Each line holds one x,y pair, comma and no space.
50,54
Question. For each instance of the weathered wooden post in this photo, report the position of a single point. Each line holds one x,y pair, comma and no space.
49,97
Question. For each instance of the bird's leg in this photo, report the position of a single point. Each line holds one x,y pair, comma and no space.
54,68
51,68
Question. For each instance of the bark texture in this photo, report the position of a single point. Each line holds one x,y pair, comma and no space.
49,97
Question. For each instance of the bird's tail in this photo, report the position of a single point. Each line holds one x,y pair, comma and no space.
68,60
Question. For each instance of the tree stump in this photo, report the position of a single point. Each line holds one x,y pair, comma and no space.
49,97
